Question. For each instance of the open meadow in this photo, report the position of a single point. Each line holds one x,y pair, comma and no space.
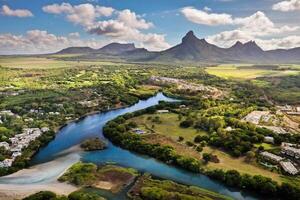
49,62
249,72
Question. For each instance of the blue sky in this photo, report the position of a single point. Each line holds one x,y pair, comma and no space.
33,26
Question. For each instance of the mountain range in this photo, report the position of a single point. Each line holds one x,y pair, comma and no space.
191,49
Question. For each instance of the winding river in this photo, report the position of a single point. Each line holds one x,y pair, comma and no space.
51,161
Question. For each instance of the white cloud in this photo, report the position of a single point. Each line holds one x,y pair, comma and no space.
132,20
228,38
202,17
38,41
122,25
207,9
82,14
280,43
288,5
256,27
104,11
259,24
7,11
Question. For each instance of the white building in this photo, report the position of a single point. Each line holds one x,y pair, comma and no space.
289,167
291,151
6,163
271,157
162,111
19,142
269,139
5,145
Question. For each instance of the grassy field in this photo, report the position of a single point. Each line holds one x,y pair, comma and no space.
245,72
145,91
227,163
150,188
47,63
168,126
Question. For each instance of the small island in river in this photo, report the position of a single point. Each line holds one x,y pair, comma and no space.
93,144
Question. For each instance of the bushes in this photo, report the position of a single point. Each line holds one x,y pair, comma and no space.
80,174
93,144
43,195
258,183
82,195
186,123
77,195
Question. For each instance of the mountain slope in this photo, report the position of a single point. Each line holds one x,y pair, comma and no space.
115,48
76,50
191,49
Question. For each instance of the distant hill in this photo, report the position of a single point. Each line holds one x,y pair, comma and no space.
76,50
116,48
110,49
192,49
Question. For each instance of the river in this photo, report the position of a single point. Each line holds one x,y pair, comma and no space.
59,154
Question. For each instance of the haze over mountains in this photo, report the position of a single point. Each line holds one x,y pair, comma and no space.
191,49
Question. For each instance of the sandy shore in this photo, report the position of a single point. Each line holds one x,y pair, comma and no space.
40,177
13,191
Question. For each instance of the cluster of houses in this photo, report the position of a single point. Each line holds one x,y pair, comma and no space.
256,116
290,155
290,110
89,104
184,85
266,120
19,142
4,113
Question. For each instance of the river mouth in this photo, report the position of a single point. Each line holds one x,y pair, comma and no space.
51,161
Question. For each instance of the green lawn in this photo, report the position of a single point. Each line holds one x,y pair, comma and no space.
169,126
228,162
33,62
245,72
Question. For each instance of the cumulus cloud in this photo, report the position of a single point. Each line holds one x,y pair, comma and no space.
122,25
7,11
280,43
39,41
288,5
254,27
259,24
82,14
202,17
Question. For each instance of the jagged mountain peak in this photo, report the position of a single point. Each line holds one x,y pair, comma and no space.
252,44
238,44
189,37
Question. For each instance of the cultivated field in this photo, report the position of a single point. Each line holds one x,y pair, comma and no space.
246,72
31,62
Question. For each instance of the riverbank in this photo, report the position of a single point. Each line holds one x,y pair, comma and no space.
13,192
40,177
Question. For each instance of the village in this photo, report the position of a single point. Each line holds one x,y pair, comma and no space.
184,85
279,121
16,144
289,155
19,142
288,159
